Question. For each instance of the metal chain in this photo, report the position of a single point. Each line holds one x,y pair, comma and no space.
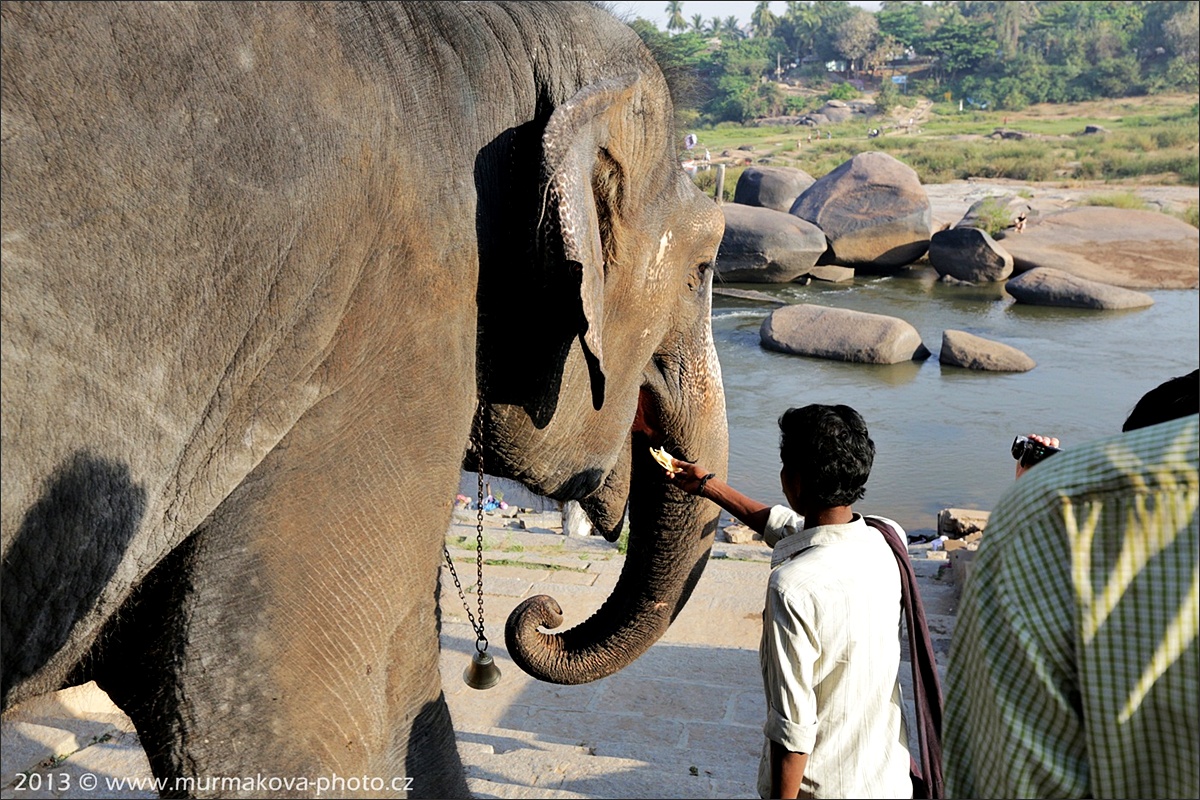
481,642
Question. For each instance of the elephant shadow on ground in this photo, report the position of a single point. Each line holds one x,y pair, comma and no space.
683,720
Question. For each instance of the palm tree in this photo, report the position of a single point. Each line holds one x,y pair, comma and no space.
731,29
697,23
805,21
763,20
714,26
675,20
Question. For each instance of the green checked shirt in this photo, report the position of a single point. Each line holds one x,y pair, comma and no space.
1074,668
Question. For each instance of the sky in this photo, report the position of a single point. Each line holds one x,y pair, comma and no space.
656,10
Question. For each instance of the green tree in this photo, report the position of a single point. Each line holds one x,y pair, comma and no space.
887,98
1182,32
884,49
763,20
959,45
902,21
697,23
832,13
675,20
735,73
1153,34
856,37
1007,18
799,27
731,28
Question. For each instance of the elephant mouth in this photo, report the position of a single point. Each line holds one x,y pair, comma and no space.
647,422
607,505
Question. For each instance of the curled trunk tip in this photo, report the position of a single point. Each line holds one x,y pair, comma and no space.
521,634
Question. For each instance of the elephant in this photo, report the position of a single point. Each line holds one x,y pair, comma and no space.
273,275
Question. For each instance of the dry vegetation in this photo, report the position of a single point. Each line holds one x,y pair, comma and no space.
1146,140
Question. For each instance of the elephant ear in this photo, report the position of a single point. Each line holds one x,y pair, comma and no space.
582,183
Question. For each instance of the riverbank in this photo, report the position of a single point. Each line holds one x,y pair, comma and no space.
1118,143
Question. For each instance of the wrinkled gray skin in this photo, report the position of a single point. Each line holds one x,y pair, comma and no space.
262,266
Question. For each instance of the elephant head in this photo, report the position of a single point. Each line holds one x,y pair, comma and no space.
618,357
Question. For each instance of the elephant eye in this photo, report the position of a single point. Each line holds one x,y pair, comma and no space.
696,276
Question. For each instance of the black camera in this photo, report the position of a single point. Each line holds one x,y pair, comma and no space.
1029,452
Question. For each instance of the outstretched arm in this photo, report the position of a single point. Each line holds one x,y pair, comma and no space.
693,479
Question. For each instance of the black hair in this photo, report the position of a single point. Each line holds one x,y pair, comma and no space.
1178,397
829,450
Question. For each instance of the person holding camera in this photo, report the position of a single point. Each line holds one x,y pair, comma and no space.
829,650
1075,666
1032,449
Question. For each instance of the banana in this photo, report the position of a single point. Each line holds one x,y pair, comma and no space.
664,459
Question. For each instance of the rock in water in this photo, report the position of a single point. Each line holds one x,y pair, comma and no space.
842,335
1054,287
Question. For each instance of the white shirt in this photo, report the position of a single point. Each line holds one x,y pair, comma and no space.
830,657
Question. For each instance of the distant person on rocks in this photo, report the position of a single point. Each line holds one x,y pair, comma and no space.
829,650
1019,222
1075,668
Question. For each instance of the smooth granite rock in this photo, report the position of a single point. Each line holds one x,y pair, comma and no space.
841,334
1054,287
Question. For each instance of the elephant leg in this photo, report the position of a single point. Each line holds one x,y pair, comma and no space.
295,635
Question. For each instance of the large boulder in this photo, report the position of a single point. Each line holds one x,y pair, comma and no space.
1134,249
969,254
962,349
1054,287
772,187
985,212
841,334
836,111
762,245
873,210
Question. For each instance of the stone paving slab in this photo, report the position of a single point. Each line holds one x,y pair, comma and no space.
50,743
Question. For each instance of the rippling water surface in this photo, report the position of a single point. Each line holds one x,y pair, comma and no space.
942,434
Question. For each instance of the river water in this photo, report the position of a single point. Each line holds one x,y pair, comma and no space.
942,434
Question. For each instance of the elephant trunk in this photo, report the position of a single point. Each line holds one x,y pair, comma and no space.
671,535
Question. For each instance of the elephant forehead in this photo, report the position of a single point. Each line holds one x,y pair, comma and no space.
664,244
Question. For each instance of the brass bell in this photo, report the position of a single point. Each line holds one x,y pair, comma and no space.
483,672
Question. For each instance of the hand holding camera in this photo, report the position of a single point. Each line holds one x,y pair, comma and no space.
1029,450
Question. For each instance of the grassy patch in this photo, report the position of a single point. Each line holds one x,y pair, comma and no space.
994,215
623,541
1118,200
1191,215
1144,139
512,562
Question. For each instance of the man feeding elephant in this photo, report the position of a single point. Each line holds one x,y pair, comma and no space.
239,359
830,650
